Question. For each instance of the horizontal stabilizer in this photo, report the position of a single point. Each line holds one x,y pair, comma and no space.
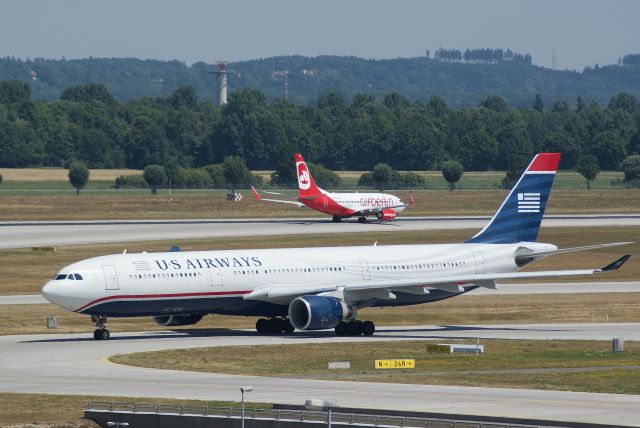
525,256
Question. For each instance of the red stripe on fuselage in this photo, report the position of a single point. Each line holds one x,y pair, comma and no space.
157,296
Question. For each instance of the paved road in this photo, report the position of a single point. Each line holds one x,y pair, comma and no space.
537,288
74,364
30,234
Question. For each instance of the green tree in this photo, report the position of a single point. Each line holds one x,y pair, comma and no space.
495,103
78,175
155,176
324,177
91,92
516,164
631,168
588,167
381,175
538,105
235,171
609,148
452,171
14,91
0,178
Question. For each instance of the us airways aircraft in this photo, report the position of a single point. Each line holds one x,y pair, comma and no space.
340,205
316,288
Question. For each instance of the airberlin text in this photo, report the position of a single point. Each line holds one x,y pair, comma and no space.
223,262
375,201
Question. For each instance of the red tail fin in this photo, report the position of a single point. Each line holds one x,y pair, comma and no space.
306,184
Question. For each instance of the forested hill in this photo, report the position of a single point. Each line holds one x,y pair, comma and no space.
461,80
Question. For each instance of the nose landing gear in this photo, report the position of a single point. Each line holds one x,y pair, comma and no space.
101,332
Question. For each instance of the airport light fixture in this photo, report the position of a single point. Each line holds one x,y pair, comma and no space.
320,405
244,389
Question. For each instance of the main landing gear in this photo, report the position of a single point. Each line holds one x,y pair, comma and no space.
101,332
337,219
355,328
362,219
274,326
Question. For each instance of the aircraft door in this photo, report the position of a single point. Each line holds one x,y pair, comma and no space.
366,274
110,277
325,202
216,277
477,255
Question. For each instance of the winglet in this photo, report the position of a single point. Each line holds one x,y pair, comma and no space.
616,265
255,193
411,203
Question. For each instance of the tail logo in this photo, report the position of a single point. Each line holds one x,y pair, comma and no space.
528,202
304,182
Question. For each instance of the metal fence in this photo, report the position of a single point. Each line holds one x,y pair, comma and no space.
298,415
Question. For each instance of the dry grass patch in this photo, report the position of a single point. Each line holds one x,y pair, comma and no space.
514,364
67,410
112,204
60,174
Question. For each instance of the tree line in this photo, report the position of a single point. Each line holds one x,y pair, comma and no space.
88,124
462,77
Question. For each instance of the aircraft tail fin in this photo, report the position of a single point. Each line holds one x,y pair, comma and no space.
518,218
306,184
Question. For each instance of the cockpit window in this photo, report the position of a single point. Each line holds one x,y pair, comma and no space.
78,276
61,276
70,276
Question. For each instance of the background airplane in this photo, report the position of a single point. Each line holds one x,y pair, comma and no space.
340,205
316,288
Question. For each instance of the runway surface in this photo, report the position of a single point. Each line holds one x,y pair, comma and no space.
31,234
74,364
533,288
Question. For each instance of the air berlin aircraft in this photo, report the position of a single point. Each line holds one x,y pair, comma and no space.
340,205
317,288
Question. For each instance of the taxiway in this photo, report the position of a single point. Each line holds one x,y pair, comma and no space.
75,364
32,234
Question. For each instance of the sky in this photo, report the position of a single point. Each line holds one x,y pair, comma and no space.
581,32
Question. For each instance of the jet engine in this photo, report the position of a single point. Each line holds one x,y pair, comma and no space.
317,312
386,214
176,320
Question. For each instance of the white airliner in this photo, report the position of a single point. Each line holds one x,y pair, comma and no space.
383,206
316,288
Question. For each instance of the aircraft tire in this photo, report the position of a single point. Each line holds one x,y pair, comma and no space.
97,335
354,328
341,329
104,334
368,328
288,327
337,219
262,326
362,219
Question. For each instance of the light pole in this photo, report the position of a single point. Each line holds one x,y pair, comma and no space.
118,424
244,389
320,405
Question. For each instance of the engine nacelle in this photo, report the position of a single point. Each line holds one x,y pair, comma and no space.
386,214
176,320
317,312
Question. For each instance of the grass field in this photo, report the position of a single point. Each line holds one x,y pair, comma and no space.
505,364
24,271
66,411
513,309
139,204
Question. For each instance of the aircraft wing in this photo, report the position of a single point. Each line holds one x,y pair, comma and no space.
363,290
260,198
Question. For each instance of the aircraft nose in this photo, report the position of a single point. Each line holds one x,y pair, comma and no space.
49,291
